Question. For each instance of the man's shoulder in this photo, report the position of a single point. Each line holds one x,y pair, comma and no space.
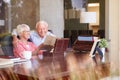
49,33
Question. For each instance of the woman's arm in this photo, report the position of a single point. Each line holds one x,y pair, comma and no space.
37,49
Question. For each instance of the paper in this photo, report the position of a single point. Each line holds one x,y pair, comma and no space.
14,59
21,60
50,40
5,61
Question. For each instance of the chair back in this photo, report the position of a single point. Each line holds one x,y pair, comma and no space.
61,45
93,49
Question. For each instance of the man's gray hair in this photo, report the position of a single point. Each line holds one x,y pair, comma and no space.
41,22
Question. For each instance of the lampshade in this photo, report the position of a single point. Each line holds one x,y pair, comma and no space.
7,1
77,4
88,17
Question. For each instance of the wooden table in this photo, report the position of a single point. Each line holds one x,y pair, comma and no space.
54,68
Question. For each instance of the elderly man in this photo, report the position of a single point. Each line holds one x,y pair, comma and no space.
38,36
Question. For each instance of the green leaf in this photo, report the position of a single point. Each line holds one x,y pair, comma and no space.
103,43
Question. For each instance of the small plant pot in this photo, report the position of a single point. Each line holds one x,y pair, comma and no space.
103,51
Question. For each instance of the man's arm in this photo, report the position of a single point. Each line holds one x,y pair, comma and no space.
14,36
15,40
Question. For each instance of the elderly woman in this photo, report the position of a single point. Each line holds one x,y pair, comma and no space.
23,44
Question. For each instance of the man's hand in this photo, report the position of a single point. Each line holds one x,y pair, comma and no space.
48,47
15,40
45,47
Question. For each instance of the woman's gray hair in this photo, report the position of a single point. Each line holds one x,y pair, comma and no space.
22,27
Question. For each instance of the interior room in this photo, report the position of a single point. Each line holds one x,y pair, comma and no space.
79,27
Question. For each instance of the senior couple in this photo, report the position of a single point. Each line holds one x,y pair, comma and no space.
37,37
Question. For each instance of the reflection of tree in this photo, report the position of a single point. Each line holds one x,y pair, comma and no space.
23,12
16,6
17,3
2,10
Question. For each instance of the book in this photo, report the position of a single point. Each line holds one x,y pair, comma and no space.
5,62
49,43
14,59
20,60
50,40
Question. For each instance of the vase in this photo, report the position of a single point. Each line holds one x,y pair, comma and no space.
103,51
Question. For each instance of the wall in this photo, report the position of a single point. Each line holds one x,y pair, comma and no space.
102,12
52,12
95,9
94,26
113,32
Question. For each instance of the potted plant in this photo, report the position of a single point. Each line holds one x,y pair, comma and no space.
102,45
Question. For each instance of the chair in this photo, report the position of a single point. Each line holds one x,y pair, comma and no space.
94,49
73,36
61,45
66,33
83,43
6,45
59,48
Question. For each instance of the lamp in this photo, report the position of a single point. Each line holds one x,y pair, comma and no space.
7,1
88,17
77,4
